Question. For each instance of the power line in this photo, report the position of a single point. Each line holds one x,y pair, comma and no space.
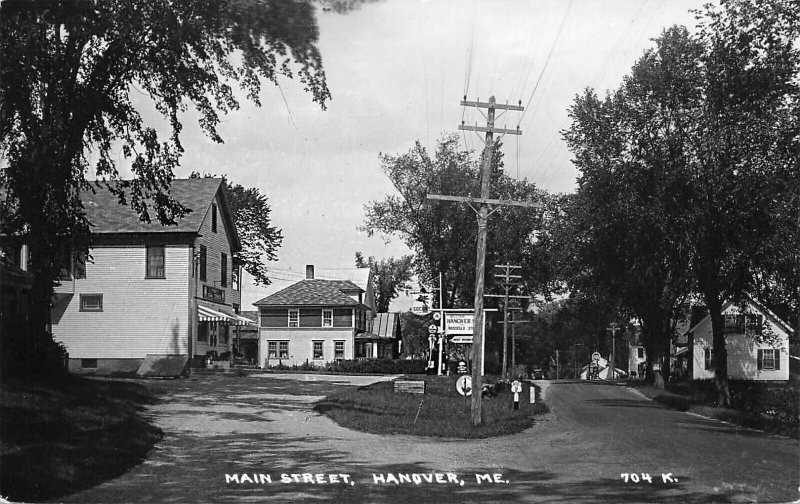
547,60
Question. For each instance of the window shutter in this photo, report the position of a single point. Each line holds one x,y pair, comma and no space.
777,359
760,358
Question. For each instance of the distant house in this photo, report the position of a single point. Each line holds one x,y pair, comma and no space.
245,339
756,341
148,289
637,361
382,339
319,320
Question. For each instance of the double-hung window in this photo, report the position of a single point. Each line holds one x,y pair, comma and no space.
283,349
155,261
768,359
203,263
294,318
224,270
338,349
272,349
327,318
317,350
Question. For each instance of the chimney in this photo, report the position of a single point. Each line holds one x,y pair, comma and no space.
309,272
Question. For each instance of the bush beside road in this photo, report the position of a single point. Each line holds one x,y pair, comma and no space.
773,408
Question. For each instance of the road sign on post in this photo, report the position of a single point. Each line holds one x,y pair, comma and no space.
516,388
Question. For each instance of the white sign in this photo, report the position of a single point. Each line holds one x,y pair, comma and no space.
437,316
464,385
596,356
433,328
516,387
461,339
422,304
459,323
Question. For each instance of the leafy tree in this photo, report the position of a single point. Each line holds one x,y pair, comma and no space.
705,131
742,152
626,201
67,69
389,277
415,335
443,235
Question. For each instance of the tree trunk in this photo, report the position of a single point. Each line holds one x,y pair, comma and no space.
720,353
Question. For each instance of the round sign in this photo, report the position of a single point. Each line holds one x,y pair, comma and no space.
433,328
437,316
596,356
516,386
464,385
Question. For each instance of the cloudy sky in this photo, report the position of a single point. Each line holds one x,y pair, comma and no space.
397,70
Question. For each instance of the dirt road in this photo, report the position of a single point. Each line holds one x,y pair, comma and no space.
246,439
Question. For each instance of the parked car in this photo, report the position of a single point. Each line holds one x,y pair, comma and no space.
538,374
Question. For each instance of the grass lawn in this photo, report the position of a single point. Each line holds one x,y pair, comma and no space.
697,399
70,433
442,411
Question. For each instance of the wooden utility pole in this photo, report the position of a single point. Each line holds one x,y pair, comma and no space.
483,216
508,281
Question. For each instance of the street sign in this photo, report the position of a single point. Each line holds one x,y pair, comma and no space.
433,328
461,339
596,356
516,387
459,323
464,385
437,316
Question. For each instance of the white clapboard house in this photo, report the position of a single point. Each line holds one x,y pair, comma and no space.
756,341
148,289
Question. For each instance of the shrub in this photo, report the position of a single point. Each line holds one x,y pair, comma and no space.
378,366
25,351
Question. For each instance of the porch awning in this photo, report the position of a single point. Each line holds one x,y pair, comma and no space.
241,321
205,314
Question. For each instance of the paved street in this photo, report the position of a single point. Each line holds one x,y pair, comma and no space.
263,426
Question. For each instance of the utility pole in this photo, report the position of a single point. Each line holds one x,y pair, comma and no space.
613,326
508,284
558,368
483,216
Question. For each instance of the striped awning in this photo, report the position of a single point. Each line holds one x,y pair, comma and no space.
240,321
205,314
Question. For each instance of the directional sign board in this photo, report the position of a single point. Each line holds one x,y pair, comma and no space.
458,323
461,339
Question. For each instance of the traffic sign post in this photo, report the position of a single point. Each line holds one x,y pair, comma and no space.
516,388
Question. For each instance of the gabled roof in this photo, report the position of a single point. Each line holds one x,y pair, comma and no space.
758,306
313,293
108,216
